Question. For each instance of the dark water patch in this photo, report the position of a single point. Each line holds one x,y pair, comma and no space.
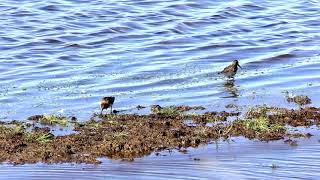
76,45
68,57
217,46
22,13
196,23
60,28
8,39
274,24
281,57
146,3
252,7
53,41
82,15
178,41
100,42
50,8
217,17
48,65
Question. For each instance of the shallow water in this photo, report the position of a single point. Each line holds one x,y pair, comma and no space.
62,56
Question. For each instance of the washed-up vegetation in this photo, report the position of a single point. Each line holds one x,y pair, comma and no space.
50,119
301,100
128,136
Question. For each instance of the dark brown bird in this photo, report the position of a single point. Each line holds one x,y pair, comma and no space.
231,70
107,102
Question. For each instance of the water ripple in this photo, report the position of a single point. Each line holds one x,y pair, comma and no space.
71,53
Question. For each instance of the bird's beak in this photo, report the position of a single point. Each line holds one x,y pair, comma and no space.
239,66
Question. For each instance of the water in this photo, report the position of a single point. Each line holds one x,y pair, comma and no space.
62,56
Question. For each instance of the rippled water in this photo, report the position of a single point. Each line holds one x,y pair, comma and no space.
62,56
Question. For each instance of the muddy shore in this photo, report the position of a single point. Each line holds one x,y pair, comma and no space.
128,136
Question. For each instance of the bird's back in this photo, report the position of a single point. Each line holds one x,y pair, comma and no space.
230,70
107,102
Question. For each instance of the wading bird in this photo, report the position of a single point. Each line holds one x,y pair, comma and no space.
107,102
231,70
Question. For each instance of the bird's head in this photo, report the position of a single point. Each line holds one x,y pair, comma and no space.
108,98
236,63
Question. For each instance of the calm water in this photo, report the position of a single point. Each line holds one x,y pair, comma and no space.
62,56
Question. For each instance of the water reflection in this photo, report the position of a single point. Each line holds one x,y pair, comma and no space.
231,88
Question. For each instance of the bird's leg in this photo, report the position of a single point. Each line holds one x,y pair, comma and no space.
111,109
101,112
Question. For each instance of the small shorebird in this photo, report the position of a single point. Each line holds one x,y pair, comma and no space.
106,102
231,70
156,109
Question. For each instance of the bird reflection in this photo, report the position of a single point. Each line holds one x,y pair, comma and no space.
231,88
